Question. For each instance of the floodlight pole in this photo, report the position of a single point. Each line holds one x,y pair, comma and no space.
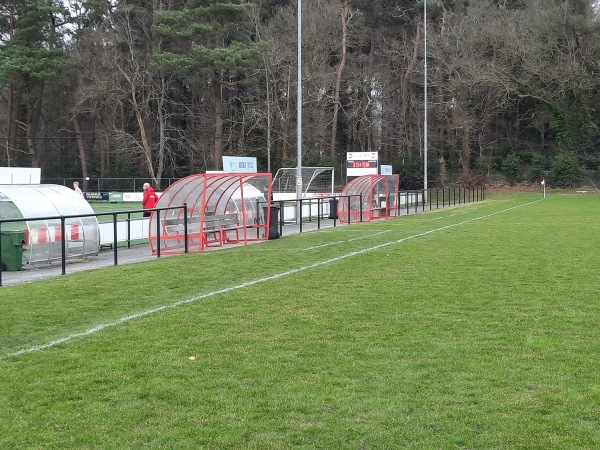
299,120
425,101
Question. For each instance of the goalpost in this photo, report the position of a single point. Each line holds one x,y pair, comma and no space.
315,180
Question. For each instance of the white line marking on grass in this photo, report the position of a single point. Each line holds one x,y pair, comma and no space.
364,236
347,240
450,215
147,312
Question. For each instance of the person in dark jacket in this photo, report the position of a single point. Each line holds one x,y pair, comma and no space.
149,200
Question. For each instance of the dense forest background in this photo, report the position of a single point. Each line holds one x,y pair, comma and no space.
164,88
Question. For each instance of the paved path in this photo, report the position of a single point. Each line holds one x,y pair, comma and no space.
106,258
138,253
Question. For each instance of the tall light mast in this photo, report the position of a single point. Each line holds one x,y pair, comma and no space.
299,119
425,100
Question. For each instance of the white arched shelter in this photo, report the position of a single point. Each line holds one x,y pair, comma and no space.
41,206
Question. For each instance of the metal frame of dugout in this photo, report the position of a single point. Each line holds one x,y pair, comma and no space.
379,196
221,209
42,238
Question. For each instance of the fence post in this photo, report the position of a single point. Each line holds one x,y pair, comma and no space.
359,209
281,218
185,228
319,208
157,231
63,246
0,253
114,216
128,230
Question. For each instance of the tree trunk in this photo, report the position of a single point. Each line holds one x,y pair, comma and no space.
218,143
104,147
466,151
404,92
268,88
33,118
287,118
365,128
338,79
82,153
141,121
11,123
161,129
11,128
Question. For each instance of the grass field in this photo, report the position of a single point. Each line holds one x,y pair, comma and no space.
110,207
473,327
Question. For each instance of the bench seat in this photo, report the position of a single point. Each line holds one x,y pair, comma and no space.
214,231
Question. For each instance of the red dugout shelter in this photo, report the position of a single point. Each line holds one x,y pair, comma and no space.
222,208
378,194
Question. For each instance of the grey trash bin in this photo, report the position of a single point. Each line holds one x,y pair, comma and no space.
274,223
333,208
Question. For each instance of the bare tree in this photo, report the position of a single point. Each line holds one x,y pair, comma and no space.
338,76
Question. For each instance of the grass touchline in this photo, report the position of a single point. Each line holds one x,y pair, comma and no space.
137,315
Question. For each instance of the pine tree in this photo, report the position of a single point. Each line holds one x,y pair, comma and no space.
205,44
30,61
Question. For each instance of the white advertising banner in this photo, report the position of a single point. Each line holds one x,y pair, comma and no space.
133,196
361,156
385,169
20,175
238,164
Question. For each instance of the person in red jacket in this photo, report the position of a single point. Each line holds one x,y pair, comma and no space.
149,200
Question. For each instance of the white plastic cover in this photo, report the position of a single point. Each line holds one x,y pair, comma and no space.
46,203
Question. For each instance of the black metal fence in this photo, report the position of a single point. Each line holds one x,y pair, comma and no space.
428,199
410,202
114,219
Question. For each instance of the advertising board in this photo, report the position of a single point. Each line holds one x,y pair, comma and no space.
237,164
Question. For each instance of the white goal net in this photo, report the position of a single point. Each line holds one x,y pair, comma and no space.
315,180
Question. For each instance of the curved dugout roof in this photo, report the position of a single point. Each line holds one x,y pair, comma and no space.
42,200
378,194
44,236
211,195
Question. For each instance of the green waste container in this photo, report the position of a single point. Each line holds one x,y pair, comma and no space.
12,250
